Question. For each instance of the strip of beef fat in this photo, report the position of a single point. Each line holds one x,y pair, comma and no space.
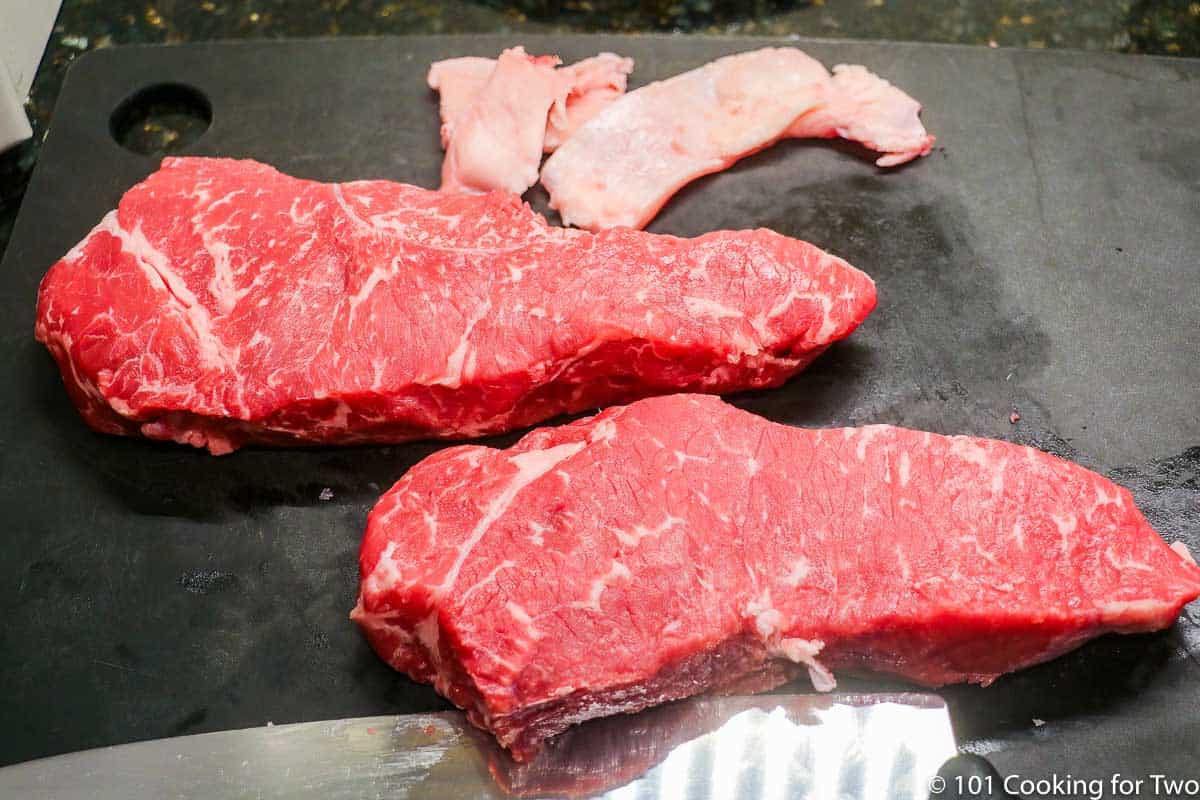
623,165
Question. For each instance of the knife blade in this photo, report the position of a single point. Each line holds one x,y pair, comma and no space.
764,746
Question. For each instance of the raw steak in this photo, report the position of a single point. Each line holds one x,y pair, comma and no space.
679,545
626,162
224,303
589,85
499,116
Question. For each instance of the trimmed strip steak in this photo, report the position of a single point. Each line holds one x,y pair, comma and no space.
225,303
679,545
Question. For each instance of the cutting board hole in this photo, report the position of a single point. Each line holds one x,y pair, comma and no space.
161,119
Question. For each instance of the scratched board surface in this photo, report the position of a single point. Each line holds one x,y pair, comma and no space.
1041,260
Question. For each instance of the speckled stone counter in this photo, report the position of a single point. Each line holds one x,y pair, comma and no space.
1168,27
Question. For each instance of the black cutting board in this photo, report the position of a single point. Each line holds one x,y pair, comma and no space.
1043,259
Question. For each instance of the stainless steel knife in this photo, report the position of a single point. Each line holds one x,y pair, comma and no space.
766,746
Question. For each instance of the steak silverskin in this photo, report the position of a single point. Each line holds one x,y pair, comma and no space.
224,303
679,545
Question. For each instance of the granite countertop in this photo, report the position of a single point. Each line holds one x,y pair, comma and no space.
1165,27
